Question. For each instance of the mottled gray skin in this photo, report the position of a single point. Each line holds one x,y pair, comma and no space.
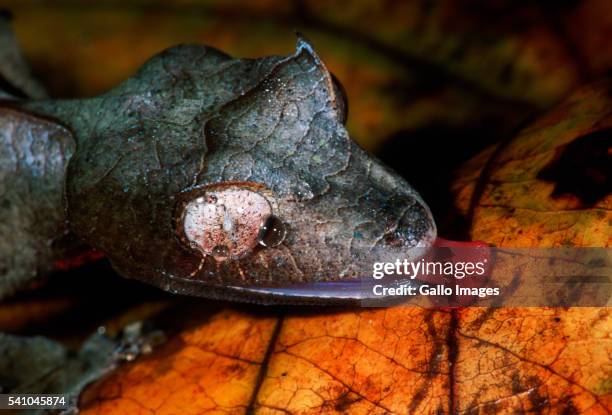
33,156
194,117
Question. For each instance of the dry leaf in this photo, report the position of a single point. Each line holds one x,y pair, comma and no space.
551,185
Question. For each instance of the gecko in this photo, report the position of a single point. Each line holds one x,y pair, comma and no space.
204,175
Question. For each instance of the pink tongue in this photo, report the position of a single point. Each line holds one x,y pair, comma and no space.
445,250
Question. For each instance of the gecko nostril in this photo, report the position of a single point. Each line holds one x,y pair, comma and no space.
272,232
414,228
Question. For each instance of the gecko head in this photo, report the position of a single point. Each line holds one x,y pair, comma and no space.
260,194
287,202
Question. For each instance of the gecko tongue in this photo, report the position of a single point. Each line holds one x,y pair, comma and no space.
468,252
449,243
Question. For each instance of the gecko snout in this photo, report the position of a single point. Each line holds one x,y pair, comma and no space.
414,228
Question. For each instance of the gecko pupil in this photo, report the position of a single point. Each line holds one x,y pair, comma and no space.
272,232
220,252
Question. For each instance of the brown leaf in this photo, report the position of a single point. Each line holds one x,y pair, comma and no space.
545,188
376,361
212,366
400,360
536,360
551,185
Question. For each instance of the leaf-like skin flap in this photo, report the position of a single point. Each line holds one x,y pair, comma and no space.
194,119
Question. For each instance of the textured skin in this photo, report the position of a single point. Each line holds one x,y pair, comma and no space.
193,117
33,156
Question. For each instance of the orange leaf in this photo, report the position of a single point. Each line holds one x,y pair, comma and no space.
550,186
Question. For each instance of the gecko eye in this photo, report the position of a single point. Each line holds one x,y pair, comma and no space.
229,222
272,232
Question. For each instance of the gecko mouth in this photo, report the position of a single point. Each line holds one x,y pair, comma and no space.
359,289
352,289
